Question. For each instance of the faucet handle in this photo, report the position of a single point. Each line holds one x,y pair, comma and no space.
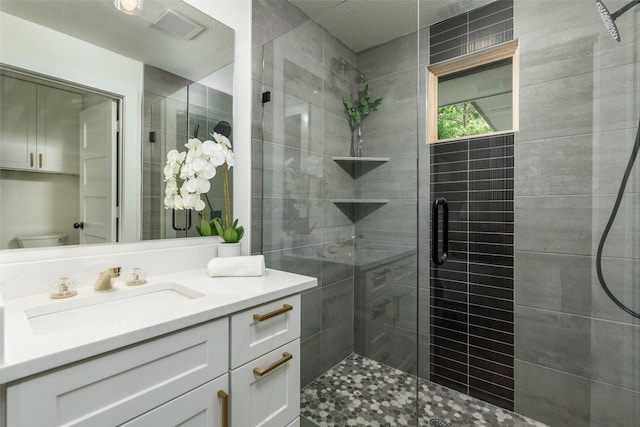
137,277
62,288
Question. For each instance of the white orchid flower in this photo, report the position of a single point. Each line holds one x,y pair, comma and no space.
177,202
172,187
193,143
229,158
204,185
172,156
186,171
168,172
221,139
195,168
189,201
199,205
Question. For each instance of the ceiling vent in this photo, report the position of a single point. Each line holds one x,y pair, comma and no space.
179,25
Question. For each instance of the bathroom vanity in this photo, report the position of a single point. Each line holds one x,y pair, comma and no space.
183,348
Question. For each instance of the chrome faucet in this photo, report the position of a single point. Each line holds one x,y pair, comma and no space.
106,278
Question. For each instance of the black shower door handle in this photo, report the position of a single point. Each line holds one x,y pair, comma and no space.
434,231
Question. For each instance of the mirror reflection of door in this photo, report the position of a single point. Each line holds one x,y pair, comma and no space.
44,184
98,212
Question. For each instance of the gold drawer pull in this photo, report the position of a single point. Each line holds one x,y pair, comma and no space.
261,317
31,159
40,160
285,358
225,407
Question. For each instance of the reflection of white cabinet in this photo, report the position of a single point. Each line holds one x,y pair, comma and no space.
40,127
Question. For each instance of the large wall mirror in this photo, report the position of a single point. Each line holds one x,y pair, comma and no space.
92,100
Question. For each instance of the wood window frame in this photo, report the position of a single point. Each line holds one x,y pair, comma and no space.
466,62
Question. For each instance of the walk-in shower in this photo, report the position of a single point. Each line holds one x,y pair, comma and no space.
500,318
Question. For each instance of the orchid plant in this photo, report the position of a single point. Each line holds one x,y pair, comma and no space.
194,169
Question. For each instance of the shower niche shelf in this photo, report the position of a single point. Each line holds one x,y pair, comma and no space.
357,209
357,166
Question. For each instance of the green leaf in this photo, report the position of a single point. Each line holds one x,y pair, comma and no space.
205,228
230,235
214,230
365,92
218,226
240,231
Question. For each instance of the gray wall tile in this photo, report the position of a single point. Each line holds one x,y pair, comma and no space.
551,396
553,282
310,359
538,173
615,350
311,322
614,406
554,340
559,224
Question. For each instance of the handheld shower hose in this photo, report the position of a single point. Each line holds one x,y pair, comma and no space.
609,21
612,217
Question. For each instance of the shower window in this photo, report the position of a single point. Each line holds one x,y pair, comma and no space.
474,95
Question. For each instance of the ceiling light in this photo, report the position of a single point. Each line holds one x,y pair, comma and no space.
130,7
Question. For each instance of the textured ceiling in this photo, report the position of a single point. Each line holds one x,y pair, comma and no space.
361,24
100,23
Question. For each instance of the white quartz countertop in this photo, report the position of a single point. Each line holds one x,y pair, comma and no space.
27,352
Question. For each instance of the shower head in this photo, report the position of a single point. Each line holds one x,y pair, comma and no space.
609,18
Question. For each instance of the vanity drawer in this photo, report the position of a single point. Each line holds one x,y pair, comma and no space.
201,407
261,329
121,385
269,398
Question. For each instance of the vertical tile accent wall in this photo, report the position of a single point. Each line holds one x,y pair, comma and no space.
472,293
472,329
478,29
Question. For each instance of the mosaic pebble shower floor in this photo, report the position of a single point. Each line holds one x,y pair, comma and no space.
362,392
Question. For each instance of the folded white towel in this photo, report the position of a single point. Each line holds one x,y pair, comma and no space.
238,266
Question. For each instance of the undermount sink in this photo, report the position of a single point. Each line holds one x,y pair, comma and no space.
111,309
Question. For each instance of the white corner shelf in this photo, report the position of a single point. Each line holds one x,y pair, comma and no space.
357,209
356,166
361,201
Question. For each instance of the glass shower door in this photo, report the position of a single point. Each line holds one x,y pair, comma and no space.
348,220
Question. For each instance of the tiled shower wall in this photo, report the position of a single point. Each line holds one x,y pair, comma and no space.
472,292
577,354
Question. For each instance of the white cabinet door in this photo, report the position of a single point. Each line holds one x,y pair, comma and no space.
261,329
39,127
271,399
121,385
202,407
58,124
17,124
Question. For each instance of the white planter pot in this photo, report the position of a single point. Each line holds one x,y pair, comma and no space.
229,249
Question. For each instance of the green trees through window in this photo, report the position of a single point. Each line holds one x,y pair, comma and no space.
458,120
